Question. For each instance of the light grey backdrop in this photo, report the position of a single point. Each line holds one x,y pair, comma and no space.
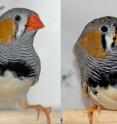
75,15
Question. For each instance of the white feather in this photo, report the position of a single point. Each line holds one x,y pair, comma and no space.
109,41
12,89
106,97
109,38
21,25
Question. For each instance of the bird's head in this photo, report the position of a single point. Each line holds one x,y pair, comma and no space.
100,37
18,21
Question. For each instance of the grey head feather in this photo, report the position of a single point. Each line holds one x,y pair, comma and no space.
94,25
21,24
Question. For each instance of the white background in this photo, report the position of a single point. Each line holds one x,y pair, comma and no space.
75,15
47,44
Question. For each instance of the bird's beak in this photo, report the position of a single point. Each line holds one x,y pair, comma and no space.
34,23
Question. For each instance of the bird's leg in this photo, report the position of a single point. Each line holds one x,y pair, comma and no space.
90,112
40,108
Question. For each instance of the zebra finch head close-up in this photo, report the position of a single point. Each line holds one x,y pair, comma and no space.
16,22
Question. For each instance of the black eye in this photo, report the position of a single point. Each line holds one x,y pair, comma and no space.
17,17
104,29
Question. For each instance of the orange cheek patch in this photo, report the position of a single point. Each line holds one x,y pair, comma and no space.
91,43
7,31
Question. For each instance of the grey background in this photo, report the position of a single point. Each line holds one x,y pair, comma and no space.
75,15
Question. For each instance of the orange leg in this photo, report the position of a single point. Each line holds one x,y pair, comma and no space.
91,111
40,108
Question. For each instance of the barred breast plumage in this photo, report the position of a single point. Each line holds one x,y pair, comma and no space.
21,53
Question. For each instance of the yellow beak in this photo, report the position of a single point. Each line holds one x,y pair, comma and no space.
7,31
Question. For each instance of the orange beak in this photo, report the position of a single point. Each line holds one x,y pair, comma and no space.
34,23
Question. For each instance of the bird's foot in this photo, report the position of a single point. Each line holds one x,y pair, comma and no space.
40,108
91,111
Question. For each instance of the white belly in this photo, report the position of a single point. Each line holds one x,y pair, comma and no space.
12,89
107,98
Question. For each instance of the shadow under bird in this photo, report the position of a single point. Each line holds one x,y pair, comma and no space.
96,54
19,63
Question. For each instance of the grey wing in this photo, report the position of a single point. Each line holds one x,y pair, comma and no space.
36,66
81,58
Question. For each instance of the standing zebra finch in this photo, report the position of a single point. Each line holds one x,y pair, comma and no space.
96,53
19,63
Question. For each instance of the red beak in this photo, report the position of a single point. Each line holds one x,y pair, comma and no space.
34,23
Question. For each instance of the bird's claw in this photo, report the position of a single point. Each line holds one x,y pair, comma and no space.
91,111
40,108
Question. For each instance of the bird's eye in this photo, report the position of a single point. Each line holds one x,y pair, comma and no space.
17,18
104,29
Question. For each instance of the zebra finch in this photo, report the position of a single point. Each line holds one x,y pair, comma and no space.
96,54
19,63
